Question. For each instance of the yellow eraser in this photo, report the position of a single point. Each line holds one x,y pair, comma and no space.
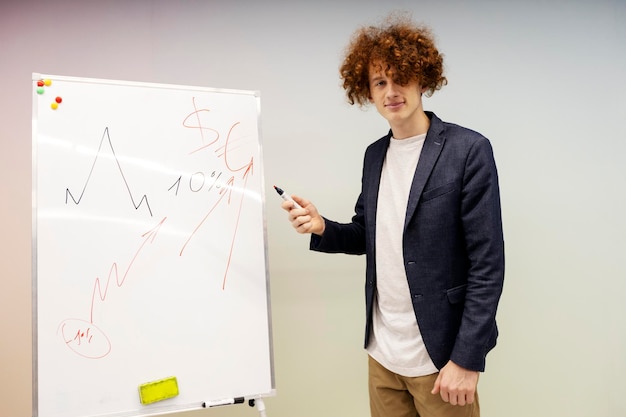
160,390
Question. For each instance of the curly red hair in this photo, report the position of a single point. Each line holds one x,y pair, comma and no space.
407,51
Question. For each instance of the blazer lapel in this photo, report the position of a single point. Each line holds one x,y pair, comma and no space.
375,166
433,144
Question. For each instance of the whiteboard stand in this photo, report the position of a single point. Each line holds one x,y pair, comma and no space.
260,405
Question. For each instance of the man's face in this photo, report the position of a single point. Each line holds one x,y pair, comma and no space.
399,104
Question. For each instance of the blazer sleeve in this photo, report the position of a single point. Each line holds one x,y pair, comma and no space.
482,225
346,238
351,238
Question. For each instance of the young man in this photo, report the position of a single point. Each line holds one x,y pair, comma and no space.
428,220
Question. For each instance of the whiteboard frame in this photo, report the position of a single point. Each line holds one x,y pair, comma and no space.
165,409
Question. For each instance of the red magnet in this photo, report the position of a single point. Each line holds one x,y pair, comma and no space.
40,83
58,100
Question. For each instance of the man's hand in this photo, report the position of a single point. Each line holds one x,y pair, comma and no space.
305,219
456,385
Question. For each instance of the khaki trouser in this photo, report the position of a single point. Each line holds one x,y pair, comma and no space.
393,395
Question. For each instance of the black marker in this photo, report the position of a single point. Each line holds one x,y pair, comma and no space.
286,197
228,401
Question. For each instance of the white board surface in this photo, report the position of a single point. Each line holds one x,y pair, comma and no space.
149,247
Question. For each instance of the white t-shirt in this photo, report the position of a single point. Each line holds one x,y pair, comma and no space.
396,342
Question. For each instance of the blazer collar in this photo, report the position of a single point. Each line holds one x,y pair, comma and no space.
433,144
431,149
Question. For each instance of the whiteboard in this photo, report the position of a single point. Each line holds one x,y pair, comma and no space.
149,247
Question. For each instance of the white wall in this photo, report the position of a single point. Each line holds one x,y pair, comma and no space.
545,82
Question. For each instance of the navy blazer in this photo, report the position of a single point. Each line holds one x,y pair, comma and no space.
452,243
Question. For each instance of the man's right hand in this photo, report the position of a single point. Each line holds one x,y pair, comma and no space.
305,219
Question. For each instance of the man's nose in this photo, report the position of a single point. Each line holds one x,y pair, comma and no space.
392,89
